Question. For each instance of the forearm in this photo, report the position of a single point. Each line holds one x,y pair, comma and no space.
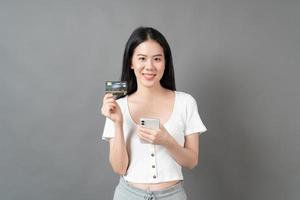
118,155
183,156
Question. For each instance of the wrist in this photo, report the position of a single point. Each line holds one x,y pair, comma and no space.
169,142
119,123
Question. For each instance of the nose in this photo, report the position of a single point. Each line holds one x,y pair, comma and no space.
149,65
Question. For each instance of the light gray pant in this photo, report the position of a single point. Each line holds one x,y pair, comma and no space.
124,191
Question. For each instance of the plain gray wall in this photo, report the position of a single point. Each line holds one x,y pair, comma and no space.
238,58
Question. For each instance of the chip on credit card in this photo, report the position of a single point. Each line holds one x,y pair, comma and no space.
117,88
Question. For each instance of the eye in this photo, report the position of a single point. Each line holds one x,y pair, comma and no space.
157,59
141,58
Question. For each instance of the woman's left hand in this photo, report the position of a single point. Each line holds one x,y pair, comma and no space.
160,136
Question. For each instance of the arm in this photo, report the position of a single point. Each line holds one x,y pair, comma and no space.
186,156
118,155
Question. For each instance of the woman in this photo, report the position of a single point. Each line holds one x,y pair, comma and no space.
151,170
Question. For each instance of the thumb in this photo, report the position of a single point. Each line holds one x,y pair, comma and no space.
161,126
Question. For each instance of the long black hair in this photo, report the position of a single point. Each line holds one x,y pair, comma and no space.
138,36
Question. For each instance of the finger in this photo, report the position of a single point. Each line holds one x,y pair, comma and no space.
114,104
161,126
107,96
145,137
105,112
145,130
149,131
108,108
109,100
111,106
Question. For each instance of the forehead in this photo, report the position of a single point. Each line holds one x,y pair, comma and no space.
149,47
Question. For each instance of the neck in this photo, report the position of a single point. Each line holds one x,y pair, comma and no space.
150,93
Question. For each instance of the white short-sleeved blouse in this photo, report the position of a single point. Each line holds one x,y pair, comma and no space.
149,163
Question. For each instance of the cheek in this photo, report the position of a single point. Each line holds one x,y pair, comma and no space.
161,68
137,71
136,67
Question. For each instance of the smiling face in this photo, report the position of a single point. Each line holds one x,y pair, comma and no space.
148,63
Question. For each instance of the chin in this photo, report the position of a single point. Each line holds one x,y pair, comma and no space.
150,85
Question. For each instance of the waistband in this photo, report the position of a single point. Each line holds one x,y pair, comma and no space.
173,189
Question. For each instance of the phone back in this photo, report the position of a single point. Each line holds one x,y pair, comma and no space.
150,123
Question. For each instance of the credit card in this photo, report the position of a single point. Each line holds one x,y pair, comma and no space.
117,88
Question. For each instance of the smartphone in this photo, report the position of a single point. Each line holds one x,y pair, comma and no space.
151,123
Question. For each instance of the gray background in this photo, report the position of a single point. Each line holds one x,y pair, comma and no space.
238,58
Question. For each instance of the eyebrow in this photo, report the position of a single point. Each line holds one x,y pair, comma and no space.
146,55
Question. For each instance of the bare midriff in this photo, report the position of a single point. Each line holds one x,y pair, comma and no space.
154,186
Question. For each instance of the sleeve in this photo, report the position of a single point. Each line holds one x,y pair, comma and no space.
109,130
193,123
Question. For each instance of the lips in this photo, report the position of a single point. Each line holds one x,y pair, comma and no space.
148,76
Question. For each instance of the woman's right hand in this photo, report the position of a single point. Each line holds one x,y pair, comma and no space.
111,109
